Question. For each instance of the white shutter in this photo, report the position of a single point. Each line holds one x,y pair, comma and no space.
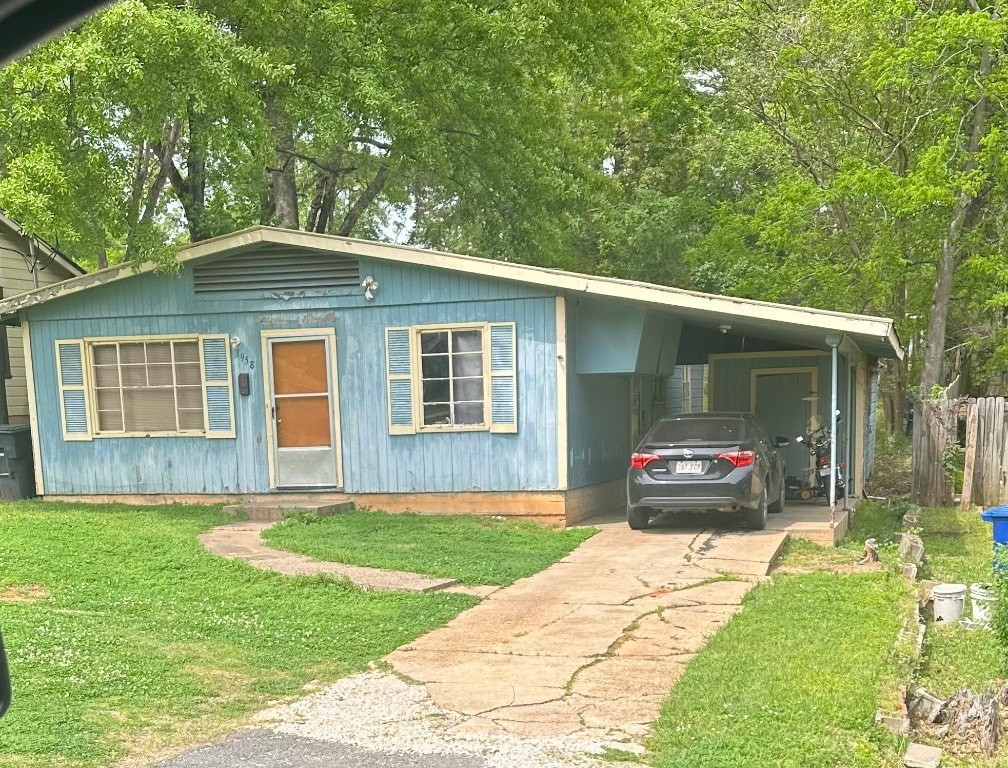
503,378
399,375
72,390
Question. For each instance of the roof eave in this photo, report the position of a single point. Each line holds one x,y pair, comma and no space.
862,326
58,256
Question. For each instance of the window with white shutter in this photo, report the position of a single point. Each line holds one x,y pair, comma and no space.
145,386
454,377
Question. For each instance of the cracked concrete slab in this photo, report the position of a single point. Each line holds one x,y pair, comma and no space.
589,648
480,699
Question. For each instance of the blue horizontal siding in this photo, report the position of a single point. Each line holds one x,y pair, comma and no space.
373,460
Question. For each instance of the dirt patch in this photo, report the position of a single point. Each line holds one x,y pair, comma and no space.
891,475
23,593
163,738
832,567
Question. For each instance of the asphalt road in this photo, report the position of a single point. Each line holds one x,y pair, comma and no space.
263,748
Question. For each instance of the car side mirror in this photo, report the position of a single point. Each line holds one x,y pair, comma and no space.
5,683
781,442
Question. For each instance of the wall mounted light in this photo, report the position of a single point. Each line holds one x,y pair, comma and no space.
370,286
235,341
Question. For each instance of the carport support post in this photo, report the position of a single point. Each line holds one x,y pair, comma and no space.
834,342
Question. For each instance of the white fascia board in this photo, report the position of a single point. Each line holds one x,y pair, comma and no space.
612,288
570,281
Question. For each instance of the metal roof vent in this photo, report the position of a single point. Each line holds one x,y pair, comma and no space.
277,270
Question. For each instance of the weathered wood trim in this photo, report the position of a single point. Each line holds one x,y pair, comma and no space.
33,410
877,333
563,479
543,506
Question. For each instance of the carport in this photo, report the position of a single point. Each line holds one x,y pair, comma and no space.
796,367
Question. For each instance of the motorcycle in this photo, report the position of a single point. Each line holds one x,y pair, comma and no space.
819,442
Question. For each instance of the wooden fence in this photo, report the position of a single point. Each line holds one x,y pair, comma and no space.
943,430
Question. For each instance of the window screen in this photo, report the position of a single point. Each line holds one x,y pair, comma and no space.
148,386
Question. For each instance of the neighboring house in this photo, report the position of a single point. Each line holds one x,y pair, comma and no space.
282,362
26,263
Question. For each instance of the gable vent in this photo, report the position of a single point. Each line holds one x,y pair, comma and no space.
277,271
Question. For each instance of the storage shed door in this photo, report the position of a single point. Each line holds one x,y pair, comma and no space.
305,441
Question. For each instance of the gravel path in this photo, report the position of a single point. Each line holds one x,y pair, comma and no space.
374,720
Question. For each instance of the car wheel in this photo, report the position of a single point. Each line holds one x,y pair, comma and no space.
778,506
638,517
757,517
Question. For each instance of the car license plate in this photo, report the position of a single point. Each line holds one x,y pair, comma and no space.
824,471
688,467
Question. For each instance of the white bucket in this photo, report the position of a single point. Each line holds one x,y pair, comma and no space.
982,600
949,601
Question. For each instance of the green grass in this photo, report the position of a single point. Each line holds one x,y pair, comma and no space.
125,635
474,550
793,680
878,520
958,549
958,546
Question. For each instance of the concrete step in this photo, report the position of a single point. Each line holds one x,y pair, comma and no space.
271,512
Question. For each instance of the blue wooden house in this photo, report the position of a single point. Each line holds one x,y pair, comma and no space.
279,362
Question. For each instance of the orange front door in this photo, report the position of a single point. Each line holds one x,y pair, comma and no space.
304,444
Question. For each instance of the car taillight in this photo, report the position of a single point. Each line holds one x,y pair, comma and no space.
641,460
738,458
824,461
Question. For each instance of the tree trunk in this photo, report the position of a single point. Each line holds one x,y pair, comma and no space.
323,205
364,200
283,183
163,153
934,347
199,228
191,189
102,257
962,215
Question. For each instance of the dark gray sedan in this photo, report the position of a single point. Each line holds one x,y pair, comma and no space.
706,461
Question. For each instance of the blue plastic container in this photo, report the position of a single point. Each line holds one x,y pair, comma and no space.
999,517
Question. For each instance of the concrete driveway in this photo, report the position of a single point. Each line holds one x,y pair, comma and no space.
542,674
587,649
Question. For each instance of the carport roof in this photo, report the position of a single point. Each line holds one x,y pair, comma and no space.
804,326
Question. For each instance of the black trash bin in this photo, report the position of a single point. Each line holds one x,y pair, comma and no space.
17,469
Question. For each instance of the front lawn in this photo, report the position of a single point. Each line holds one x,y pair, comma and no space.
474,550
125,636
792,680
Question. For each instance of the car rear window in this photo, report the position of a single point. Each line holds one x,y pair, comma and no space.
697,430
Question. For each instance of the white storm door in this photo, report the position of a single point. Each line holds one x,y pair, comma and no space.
304,445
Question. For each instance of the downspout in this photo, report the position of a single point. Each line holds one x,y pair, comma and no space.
834,342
